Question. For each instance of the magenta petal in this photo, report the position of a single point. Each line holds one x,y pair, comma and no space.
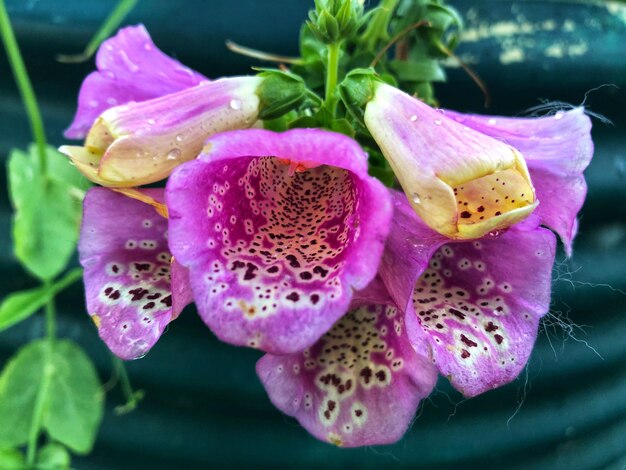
360,384
409,247
479,305
132,289
557,149
130,68
275,246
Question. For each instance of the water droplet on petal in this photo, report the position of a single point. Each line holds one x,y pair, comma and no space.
235,104
179,138
558,115
151,121
437,122
173,154
147,46
413,118
492,122
416,198
93,103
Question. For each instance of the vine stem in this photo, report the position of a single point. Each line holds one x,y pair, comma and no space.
42,394
332,73
111,23
24,85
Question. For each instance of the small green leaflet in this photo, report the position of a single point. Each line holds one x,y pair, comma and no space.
11,459
53,456
20,305
70,392
47,210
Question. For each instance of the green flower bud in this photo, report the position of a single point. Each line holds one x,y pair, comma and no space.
279,93
335,20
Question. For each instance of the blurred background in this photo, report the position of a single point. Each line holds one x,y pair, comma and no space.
204,406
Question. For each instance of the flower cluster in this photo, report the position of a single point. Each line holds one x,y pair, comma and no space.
359,295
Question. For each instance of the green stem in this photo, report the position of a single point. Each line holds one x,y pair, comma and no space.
51,324
111,23
332,72
24,85
132,396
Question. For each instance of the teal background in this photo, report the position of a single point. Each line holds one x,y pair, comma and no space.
204,406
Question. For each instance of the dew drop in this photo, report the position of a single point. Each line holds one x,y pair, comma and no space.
416,198
179,138
93,103
173,154
558,115
492,122
235,104
151,121
437,122
413,118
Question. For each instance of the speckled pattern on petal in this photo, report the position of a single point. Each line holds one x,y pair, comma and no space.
130,68
276,244
479,304
360,384
133,289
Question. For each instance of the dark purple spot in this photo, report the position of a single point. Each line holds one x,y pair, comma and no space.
294,297
465,215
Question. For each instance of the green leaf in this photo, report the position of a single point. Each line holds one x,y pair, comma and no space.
75,408
47,211
53,456
422,71
70,393
20,305
11,459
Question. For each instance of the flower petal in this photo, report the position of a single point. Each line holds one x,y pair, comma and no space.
479,305
360,384
130,68
276,230
557,149
133,288
408,249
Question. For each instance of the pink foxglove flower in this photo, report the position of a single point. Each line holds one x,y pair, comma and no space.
133,286
360,383
467,176
143,113
277,230
473,307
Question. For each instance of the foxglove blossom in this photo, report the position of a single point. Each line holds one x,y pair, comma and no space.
276,231
473,307
359,384
465,175
133,286
144,113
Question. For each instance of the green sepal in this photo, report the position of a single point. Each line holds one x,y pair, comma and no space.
279,93
357,89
